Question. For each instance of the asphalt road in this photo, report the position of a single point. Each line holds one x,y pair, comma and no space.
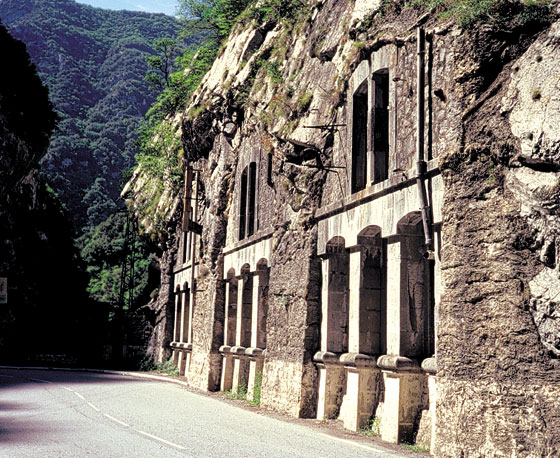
68,414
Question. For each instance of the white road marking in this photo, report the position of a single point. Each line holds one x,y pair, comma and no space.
356,444
68,389
7,376
93,407
162,440
38,380
79,395
116,420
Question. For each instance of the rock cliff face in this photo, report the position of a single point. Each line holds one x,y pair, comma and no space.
498,322
493,122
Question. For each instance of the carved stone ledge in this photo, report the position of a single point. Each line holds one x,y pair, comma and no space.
225,349
326,357
429,365
397,363
358,360
237,350
254,352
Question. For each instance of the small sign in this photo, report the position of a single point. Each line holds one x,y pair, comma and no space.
3,290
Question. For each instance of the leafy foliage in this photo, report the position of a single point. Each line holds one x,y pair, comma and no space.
103,249
469,12
94,63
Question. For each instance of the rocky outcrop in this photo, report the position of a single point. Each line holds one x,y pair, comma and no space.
498,384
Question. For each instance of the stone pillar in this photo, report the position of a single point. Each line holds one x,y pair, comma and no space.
240,361
403,393
394,293
191,298
361,390
177,326
331,383
226,380
324,304
182,363
256,364
258,333
355,285
240,369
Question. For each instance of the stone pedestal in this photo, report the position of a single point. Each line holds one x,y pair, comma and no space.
182,363
240,369
226,380
403,382
361,390
331,385
256,364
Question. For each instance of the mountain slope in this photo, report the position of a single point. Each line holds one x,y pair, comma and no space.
93,62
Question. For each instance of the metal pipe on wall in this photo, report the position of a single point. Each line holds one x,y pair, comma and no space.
420,161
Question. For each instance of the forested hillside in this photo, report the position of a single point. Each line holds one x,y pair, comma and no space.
94,63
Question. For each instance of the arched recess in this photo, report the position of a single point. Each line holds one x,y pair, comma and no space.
186,298
417,293
337,267
244,324
178,315
231,308
373,292
262,274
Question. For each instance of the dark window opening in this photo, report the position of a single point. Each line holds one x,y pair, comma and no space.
359,138
243,206
252,191
269,170
247,202
381,126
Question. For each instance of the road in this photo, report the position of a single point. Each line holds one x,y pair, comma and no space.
70,414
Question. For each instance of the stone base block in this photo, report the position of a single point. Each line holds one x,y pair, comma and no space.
254,383
226,381
332,380
182,363
403,400
361,397
240,373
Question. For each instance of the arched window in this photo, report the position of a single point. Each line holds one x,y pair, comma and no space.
247,201
380,125
370,131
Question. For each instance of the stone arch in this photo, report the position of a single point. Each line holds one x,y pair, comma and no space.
231,308
178,314
416,289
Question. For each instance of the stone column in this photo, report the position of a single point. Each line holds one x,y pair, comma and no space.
240,361
226,381
182,363
403,391
361,390
176,328
394,292
355,285
360,369
331,383
258,334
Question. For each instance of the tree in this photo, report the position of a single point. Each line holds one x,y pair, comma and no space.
215,16
160,66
